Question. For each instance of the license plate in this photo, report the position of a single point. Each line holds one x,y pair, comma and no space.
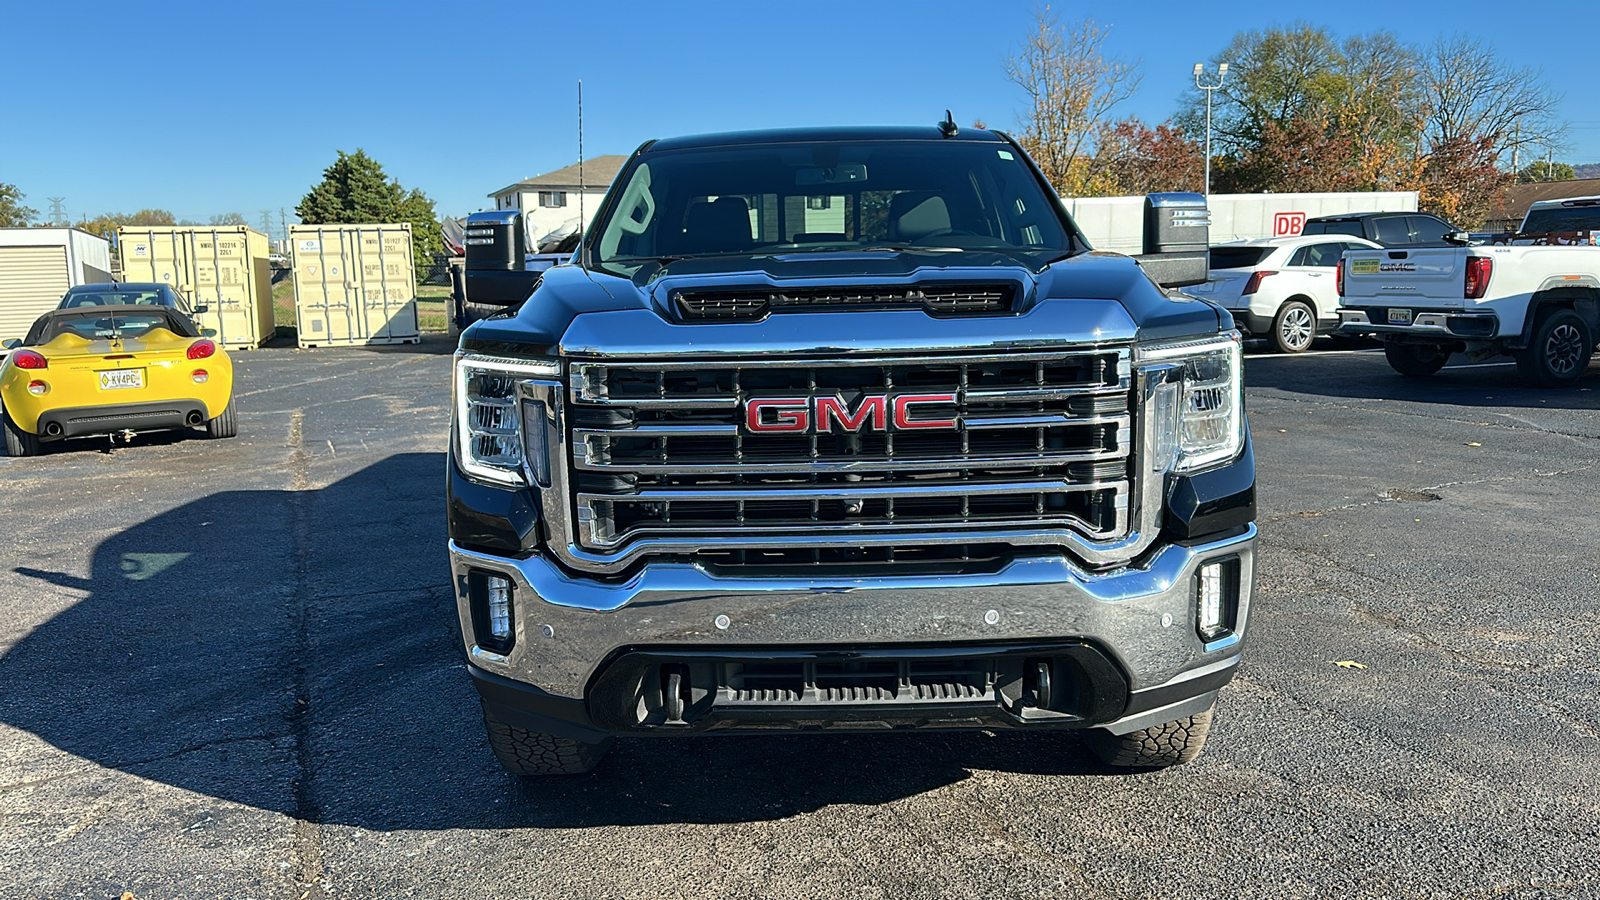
121,379
1399,317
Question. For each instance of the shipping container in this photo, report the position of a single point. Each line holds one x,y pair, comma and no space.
223,268
1117,223
37,265
354,284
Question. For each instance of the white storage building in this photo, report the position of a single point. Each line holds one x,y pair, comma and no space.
37,265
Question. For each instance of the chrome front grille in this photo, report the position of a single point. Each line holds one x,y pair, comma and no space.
661,452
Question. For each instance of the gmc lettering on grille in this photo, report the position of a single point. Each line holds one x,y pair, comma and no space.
827,414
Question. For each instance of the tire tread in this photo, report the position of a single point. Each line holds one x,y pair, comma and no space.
525,752
1169,744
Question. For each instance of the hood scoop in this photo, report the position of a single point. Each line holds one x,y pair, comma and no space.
756,302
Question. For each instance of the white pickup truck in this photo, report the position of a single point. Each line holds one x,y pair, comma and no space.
1533,295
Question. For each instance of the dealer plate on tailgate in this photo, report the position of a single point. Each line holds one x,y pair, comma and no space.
1399,317
118,379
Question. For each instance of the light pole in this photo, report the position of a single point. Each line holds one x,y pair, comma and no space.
1222,75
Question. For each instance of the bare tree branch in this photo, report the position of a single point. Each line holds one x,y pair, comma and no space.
1072,86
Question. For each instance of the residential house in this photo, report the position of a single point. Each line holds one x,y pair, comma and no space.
1521,197
551,202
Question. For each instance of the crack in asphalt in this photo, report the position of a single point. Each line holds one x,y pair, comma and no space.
308,866
1379,501
1526,425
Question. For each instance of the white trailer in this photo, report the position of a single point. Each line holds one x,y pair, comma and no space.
1117,223
37,265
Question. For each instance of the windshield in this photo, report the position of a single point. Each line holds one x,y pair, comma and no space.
93,326
1562,218
829,196
124,297
1348,226
1238,257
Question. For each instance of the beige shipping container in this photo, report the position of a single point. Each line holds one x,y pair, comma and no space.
223,268
354,284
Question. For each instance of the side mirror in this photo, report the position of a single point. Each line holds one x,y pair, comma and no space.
1459,238
1177,239
201,310
11,343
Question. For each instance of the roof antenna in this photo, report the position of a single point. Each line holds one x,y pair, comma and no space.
583,225
948,126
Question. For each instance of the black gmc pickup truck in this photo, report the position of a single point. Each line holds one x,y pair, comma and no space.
850,429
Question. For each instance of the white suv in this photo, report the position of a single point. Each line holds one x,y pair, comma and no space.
1282,289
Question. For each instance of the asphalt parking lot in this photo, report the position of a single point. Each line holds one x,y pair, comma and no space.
229,669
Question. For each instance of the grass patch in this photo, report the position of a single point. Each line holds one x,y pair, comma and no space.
433,306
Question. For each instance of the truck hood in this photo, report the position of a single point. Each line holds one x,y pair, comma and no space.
1091,296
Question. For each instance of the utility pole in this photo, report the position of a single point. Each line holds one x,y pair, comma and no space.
283,223
58,216
1516,148
1549,164
1222,75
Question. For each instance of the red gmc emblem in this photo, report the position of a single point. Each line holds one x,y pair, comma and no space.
825,414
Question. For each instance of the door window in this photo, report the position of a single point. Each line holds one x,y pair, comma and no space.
1427,229
1392,230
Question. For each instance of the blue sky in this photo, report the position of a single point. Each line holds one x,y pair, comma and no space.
206,108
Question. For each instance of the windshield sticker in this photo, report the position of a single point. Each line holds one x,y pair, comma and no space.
1363,267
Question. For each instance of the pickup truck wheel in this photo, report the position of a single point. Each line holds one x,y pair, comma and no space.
18,442
224,425
1158,746
1294,327
1415,360
1560,350
525,752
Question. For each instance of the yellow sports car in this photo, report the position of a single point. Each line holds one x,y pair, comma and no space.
113,370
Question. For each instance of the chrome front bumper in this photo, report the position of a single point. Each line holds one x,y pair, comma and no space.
567,626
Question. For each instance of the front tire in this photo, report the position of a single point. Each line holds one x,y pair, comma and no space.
1156,747
525,752
1415,360
223,426
1559,353
1294,327
18,442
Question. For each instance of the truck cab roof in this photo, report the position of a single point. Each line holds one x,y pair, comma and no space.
830,133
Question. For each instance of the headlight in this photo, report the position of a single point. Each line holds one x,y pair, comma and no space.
1198,409
502,436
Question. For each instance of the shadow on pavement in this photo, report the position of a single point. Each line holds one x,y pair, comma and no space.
1366,376
297,652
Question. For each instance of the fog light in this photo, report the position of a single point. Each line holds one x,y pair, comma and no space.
201,376
499,591
1217,598
490,596
37,387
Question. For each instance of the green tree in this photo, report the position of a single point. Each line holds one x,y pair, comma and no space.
355,190
1541,171
1275,76
12,213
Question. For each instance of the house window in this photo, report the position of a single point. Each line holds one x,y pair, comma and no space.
552,198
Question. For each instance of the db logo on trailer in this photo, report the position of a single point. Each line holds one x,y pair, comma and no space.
1288,224
827,414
